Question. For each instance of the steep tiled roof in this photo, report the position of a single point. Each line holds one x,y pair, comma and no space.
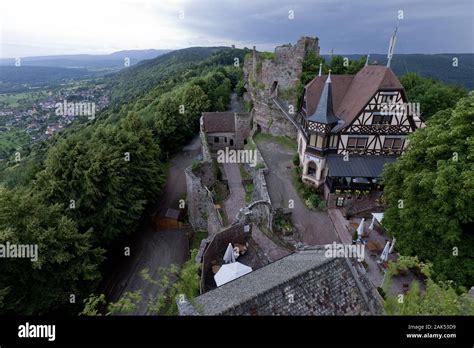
339,86
351,92
303,283
219,122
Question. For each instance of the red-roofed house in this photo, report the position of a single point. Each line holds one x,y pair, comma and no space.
351,126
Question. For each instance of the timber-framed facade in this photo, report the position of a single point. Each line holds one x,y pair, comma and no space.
347,117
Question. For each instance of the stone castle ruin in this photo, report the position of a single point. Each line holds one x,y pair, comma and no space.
275,76
224,130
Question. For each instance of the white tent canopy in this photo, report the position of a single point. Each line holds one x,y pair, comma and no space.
360,229
229,254
392,246
384,256
231,271
376,217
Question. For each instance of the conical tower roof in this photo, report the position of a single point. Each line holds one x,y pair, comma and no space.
324,112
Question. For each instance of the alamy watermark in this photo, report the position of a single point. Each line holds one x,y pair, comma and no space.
75,109
400,109
22,251
345,250
237,156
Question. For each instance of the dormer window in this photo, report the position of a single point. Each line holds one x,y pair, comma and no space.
381,118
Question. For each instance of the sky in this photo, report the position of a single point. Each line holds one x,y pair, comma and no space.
51,27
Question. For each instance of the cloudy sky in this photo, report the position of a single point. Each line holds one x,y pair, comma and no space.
45,27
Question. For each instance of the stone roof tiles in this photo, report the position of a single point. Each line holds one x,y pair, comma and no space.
303,283
219,122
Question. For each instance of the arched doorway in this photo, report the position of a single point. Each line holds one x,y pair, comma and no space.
274,89
312,167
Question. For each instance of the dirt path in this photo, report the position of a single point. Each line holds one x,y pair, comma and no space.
149,248
314,227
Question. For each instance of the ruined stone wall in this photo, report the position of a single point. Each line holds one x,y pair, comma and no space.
243,127
202,213
261,213
267,78
206,152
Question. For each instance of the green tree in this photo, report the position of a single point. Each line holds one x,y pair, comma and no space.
195,101
310,68
104,177
429,191
67,263
438,299
432,95
171,283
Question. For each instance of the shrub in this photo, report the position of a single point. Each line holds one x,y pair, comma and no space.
313,201
196,165
296,159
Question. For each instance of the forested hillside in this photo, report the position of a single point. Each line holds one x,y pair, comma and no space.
89,185
435,66
173,67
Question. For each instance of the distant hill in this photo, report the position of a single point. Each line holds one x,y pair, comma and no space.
18,79
435,66
131,82
88,61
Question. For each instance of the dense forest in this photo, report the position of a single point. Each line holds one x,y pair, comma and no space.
454,68
76,193
429,191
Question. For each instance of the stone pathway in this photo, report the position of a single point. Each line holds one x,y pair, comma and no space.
313,227
269,247
236,199
341,225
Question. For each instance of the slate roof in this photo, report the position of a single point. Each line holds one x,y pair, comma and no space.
324,112
219,122
358,165
350,93
319,285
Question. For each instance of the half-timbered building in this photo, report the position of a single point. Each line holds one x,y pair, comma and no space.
352,125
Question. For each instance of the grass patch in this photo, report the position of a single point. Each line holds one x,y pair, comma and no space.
250,144
267,55
220,193
243,172
248,192
197,238
260,166
284,141
196,165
